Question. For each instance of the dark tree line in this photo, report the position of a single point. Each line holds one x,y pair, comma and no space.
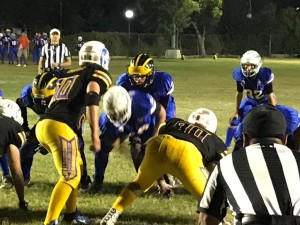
274,25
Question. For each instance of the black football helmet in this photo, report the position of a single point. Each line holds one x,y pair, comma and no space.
141,70
43,88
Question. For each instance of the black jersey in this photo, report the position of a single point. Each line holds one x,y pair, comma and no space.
209,144
11,133
68,103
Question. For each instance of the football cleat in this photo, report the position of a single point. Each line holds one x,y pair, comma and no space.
7,182
96,187
53,222
85,184
76,218
111,217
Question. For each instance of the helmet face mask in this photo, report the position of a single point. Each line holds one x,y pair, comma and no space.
205,118
94,52
117,105
250,63
141,70
43,88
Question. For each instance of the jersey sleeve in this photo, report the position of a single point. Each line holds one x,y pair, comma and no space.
213,201
103,78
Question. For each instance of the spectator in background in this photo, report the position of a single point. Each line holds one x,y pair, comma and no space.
23,48
13,49
55,55
79,44
36,48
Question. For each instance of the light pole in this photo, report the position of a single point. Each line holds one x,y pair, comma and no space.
129,14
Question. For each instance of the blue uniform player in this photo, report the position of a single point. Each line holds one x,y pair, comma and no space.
257,82
2,47
140,118
292,118
13,49
37,45
5,40
141,76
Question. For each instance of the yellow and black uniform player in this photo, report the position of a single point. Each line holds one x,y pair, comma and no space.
56,130
182,149
12,139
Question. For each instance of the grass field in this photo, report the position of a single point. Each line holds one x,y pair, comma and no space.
198,83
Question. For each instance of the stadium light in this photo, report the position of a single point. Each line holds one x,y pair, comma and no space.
249,14
129,14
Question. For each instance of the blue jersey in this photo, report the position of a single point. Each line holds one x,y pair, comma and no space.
142,122
27,100
291,116
255,86
37,42
161,87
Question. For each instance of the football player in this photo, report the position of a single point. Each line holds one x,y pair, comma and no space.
187,150
257,82
141,75
12,138
37,45
6,178
292,119
36,96
76,95
79,44
13,49
135,115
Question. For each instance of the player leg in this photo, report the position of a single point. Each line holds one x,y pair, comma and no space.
27,153
6,178
61,141
149,171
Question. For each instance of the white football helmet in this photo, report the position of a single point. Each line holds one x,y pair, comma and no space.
204,117
250,63
11,109
94,52
79,38
1,35
117,105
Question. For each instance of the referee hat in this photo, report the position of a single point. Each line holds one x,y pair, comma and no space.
264,121
54,30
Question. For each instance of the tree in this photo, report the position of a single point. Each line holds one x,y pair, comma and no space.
168,17
207,18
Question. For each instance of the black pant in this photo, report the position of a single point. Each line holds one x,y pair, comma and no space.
270,220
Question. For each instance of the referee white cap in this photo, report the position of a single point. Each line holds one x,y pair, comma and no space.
54,30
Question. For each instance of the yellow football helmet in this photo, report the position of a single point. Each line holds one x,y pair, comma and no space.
43,88
141,70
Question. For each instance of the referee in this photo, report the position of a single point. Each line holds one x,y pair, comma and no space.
54,55
260,182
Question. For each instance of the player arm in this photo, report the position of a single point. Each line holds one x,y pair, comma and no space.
212,207
160,118
92,100
269,92
14,161
41,66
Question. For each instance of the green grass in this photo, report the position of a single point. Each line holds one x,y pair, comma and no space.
198,83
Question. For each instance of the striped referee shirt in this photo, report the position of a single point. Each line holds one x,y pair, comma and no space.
54,54
258,180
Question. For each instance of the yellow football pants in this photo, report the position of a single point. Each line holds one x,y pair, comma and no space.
166,155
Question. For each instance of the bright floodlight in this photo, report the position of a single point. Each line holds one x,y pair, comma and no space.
129,14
